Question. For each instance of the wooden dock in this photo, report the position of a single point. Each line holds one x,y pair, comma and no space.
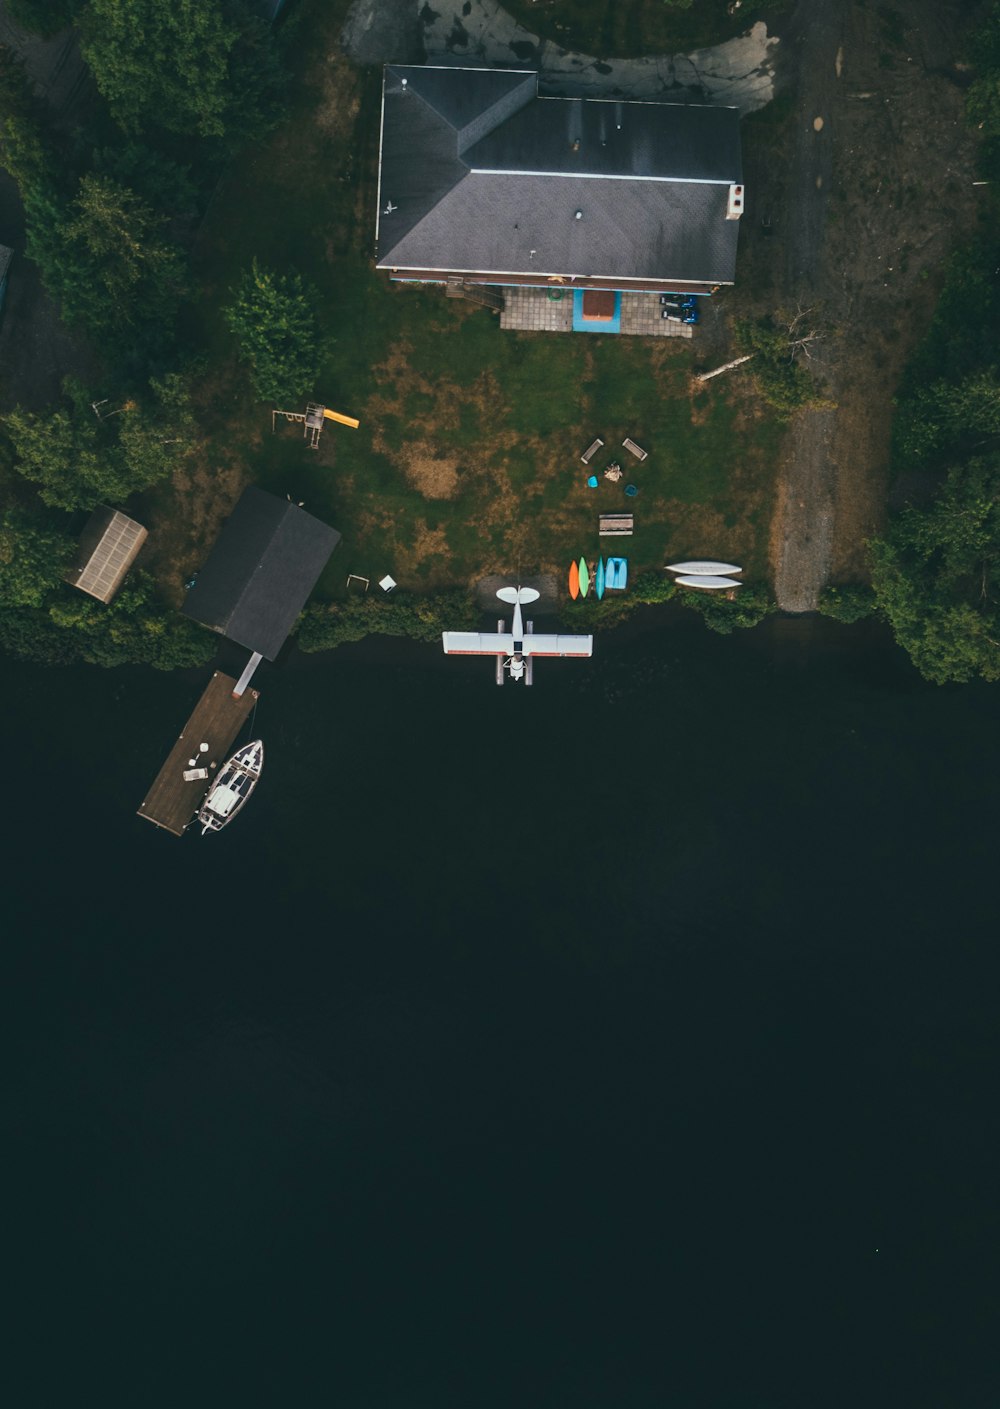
217,718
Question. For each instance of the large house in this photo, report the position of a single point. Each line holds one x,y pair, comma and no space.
484,181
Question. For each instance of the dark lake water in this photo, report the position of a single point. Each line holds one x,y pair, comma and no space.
626,1041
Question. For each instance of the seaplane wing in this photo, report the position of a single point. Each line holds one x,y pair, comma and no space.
557,645
475,643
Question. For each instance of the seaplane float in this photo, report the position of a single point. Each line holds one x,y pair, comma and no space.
515,650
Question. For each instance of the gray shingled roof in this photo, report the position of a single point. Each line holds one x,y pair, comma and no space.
484,175
259,575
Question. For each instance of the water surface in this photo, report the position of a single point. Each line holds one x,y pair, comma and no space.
625,1041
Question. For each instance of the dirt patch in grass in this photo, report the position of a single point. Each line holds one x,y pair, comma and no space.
188,514
433,473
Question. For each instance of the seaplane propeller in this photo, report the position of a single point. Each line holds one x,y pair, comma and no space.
515,650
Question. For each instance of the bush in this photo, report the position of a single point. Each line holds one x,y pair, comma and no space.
782,381
751,605
327,625
134,629
852,601
653,587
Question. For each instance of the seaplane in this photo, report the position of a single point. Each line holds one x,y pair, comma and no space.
515,650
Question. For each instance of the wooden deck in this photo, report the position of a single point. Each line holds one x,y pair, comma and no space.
217,718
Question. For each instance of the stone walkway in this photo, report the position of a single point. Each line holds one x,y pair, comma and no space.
532,311
481,33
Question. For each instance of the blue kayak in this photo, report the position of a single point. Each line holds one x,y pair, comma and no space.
599,579
616,577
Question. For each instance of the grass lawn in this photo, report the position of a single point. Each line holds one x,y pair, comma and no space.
467,462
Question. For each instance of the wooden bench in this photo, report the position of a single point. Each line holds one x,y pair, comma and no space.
634,449
591,451
615,526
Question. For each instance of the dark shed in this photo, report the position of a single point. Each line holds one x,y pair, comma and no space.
259,575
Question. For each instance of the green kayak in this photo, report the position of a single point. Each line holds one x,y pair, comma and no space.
584,578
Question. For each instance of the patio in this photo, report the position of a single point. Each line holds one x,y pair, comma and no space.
533,310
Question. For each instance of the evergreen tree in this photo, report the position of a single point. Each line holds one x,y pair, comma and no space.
79,461
201,68
272,316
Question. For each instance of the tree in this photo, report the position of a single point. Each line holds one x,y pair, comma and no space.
162,183
26,145
34,554
273,319
108,263
79,461
775,344
201,68
947,417
935,573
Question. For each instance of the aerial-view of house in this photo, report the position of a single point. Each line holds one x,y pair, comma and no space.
486,184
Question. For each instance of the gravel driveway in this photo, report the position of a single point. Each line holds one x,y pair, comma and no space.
739,72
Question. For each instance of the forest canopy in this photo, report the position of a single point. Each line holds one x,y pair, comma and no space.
936,569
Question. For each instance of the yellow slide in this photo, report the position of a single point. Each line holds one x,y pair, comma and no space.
343,420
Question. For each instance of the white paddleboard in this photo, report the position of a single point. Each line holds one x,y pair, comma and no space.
701,569
707,581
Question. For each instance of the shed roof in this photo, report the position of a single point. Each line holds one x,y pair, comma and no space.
259,574
108,547
6,255
477,172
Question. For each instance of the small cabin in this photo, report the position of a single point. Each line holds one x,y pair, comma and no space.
109,546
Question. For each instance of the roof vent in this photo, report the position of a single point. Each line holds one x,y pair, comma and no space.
576,144
578,215
735,207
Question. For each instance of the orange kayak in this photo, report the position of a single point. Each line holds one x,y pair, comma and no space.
574,581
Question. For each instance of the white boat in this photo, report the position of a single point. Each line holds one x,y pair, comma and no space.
716,584
235,782
703,569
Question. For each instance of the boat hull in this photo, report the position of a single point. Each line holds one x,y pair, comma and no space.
704,569
616,574
574,581
232,787
712,584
